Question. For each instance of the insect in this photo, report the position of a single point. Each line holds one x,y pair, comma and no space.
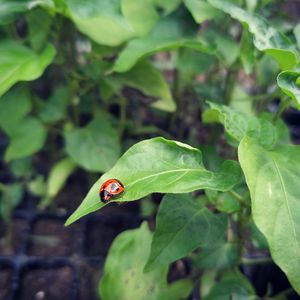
110,188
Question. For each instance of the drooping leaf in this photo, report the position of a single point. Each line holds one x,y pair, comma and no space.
9,9
201,10
150,81
272,177
166,35
14,106
112,22
159,165
127,256
289,82
25,139
95,147
19,63
266,38
183,224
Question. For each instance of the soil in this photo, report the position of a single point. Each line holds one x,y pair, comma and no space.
46,284
5,283
51,238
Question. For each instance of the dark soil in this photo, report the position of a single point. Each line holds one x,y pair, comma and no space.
46,284
51,238
5,283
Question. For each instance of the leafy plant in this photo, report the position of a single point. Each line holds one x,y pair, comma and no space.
83,82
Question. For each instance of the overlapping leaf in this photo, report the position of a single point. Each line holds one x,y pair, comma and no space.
160,165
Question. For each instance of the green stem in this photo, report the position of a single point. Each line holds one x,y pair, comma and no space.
282,107
237,196
122,116
230,83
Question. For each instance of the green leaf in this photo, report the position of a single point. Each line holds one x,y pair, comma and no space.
166,35
289,82
54,108
14,106
25,139
95,147
58,176
182,225
10,9
127,256
18,63
220,256
150,81
233,285
159,165
266,38
201,10
273,179
112,22
247,54
297,34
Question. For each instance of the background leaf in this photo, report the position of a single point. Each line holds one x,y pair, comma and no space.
95,147
18,63
160,165
272,178
127,256
182,225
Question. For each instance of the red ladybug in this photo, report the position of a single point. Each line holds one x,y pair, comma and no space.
110,188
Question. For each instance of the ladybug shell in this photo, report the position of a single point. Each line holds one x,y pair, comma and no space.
110,188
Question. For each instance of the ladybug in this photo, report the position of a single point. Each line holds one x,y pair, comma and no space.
110,188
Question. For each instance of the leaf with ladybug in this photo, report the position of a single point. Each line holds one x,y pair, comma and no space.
159,166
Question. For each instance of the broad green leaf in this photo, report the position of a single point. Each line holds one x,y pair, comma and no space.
57,178
289,82
54,108
127,256
9,9
19,63
233,285
95,147
167,5
220,256
25,139
163,166
273,180
112,22
201,10
266,38
14,106
182,225
297,34
166,35
150,81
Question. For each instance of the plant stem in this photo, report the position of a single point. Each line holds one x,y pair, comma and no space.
282,107
255,261
122,116
237,196
230,83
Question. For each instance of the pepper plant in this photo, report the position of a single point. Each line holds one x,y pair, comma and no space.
193,93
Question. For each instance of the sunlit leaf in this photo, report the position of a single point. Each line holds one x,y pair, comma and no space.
127,256
272,177
160,165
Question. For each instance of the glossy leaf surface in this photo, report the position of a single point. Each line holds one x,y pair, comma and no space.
273,180
160,165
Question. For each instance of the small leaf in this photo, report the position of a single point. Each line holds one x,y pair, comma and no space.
25,139
289,82
112,22
14,106
150,81
273,178
182,225
18,63
127,256
160,165
266,38
95,147
166,35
